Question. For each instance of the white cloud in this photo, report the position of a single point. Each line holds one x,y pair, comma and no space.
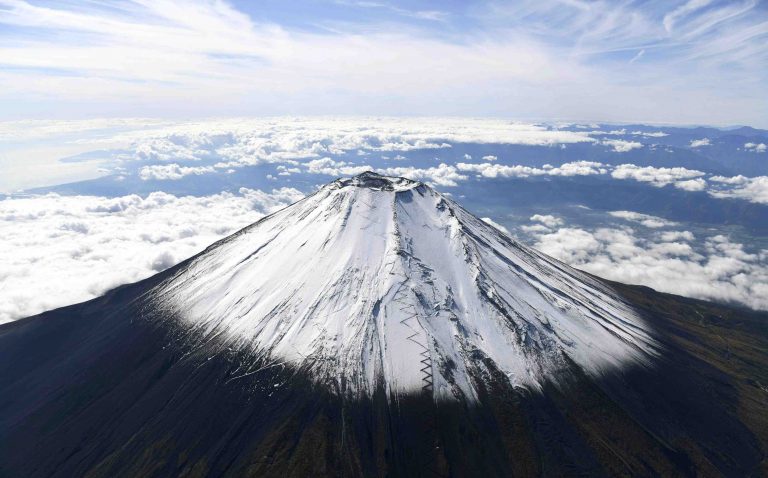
654,134
495,224
656,176
573,246
489,157
644,219
577,168
535,228
615,132
621,146
442,175
756,147
171,171
499,170
286,171
332,167
59,250
673,236
741,187
730,180
722,270
697,143
697,184
547,219
190,146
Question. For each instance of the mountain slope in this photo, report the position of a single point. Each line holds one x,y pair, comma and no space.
288,349
374,281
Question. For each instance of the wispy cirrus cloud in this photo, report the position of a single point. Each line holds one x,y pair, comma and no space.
663,61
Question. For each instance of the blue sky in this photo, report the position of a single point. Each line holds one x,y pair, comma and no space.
692,62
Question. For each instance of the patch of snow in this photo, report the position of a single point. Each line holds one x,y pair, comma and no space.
383,282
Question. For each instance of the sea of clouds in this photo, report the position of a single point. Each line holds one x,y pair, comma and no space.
649,250
59,250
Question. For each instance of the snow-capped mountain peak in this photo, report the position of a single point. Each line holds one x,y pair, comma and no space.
375,281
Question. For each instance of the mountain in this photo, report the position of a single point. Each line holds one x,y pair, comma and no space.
377,328
379,283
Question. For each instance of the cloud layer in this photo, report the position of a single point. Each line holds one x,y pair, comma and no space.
60,250
174,150
667,259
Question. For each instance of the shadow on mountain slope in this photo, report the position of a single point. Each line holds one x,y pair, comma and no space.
104,388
